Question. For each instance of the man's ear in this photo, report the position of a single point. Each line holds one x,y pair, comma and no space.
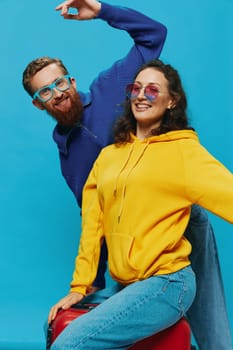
38,104
73,82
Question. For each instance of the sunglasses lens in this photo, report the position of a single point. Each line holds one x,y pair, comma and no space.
151,92
132,91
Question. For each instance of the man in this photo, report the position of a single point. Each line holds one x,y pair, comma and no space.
84,127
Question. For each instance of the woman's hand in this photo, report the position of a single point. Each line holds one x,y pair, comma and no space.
87,9
92,290
64,303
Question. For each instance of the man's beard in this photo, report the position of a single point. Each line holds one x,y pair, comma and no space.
70,117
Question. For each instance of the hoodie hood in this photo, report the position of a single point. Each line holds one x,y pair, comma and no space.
169,136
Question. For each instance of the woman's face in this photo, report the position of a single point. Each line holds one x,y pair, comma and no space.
149,100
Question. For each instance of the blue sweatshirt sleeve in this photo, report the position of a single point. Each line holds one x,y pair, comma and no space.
108,88
149,35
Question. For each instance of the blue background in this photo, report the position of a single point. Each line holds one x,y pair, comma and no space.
40,222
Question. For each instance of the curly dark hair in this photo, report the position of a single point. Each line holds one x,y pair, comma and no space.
173,119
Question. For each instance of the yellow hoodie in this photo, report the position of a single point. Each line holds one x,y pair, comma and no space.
138,197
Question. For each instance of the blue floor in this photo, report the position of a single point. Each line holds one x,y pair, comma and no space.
22,346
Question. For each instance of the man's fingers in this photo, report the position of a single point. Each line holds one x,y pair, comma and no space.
63,7
71,16
65,12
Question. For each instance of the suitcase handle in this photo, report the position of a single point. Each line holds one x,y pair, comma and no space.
84,306
49,337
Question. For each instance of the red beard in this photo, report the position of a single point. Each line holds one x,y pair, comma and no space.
68,117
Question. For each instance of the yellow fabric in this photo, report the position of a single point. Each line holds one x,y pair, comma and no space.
138,197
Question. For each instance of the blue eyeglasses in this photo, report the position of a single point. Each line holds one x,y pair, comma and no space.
46,92
151,92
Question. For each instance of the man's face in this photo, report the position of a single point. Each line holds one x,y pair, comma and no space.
64,106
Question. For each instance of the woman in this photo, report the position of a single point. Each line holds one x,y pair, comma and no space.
138,197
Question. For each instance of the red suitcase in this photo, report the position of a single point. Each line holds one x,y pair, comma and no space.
177,337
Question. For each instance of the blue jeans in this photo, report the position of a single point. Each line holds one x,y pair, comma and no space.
207,315
131,313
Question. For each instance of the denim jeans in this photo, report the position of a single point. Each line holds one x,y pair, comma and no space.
207,315
131,313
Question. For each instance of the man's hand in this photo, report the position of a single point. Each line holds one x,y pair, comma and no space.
64,303
87,9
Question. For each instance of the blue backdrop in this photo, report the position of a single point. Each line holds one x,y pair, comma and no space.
40,222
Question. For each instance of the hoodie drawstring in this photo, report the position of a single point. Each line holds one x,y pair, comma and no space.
127,176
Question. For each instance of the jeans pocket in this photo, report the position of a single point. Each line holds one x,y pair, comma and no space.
188,290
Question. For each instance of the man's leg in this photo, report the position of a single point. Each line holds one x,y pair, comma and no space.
207,315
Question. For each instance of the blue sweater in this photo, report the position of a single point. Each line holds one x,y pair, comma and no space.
79,147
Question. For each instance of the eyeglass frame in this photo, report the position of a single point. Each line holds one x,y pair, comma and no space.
142,87
52,86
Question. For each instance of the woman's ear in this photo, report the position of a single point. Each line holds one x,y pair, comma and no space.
171,104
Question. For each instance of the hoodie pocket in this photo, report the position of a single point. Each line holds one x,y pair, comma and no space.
120,248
